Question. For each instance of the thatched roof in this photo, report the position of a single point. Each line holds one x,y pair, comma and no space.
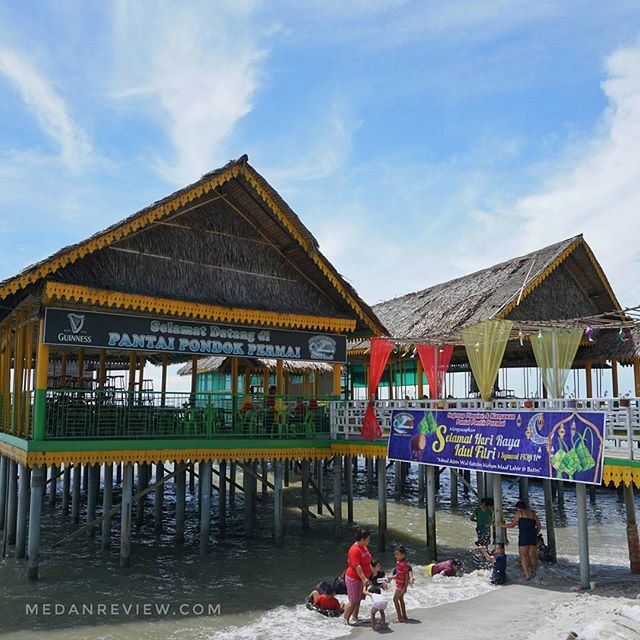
561,281
228,240
217,363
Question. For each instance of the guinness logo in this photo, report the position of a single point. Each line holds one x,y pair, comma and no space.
76,321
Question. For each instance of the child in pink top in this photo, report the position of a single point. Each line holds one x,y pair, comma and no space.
402,582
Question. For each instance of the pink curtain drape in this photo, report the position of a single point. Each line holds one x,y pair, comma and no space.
380,351
427,354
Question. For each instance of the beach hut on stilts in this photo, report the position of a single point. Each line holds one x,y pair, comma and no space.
222,269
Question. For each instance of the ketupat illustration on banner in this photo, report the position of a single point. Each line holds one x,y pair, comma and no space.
562,445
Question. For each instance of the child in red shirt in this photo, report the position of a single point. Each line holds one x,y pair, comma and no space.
402,582
325,601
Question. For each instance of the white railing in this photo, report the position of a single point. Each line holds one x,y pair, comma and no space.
622,425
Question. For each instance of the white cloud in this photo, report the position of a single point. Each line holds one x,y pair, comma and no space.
48,108
594,190
199,69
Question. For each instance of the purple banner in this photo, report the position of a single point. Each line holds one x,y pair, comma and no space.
562,445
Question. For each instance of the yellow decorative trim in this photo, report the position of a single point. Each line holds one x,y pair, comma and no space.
108,237
55,291
617,475
357,449
304,243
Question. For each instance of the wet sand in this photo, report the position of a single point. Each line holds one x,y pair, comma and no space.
518,612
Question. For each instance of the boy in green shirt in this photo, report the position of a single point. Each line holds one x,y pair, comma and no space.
484,516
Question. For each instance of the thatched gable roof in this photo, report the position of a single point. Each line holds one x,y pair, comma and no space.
217,363
228,240
562,280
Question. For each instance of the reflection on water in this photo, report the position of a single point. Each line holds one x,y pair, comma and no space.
258,587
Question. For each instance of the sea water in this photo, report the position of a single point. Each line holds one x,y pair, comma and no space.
252,589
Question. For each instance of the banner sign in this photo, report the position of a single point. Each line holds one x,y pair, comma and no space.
562,445
139,333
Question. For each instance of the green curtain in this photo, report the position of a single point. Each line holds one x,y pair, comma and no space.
485,343
555,351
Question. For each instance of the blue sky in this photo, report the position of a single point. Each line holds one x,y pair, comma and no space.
417,140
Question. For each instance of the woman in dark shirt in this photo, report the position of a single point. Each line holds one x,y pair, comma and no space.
528,528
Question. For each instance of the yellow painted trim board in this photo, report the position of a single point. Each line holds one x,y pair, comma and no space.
58,292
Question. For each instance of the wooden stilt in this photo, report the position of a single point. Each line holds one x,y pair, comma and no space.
633,541
523,490
432,547
319,482
12,508
85,479
159,498
349,488
422,475
560,492
497,506
286,473
222,499
369,467
305,494
4,475
24,477
125,515
35,512
143,481
583,535
107,503
181,486
247,487
232,485
205,510
397,479
53,494
337,496
192,477
278,524
382,504
480,484
92,496
550,525
453,480
66,490
265,475
75,495
119,473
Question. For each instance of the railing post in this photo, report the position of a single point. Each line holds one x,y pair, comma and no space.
629,431
40,394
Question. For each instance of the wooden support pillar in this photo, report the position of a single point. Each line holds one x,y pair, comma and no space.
194,377
550,525
232,485
278,524
75,495
12,507
143,482
337,381
119,473
222,499
24,477
348,463
382,504
432,546
35,512
63,370
337,496
102,369
279,377
159,498
265,381
107,504
633,541
4,476
205,510
583,535
419,373
369,468
636,376
40,394
80,368
264,472
319,484
92,496
163,380
131,385
125,515
560,493
391,393
453,480
286,473
247,487
614,379
480,484
181,487
422,476
497,506
523,490
305,494
53,494
589,379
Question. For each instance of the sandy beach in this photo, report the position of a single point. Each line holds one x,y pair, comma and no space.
518,611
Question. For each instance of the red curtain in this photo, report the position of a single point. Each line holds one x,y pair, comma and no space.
427,353
380,351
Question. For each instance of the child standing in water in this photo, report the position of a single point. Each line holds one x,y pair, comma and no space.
483,517
402,582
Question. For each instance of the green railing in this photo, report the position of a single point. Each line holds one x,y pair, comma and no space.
73,414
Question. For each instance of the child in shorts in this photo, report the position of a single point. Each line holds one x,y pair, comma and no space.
378,605
402,577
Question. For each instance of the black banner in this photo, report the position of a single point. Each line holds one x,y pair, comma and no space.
159,335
